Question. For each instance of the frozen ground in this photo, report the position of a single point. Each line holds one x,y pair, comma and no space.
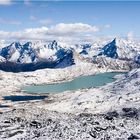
34,124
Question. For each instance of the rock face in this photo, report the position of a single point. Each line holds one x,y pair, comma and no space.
109,50
85,49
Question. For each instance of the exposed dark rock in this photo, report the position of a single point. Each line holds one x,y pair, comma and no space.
93,133
85,115
7,121
99,128
35,124
133,137
18,119
36,134
15,133
121,124
49,121
111,115
106,137
95,123
130,112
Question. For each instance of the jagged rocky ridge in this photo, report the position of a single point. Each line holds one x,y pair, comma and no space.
117,49
117,54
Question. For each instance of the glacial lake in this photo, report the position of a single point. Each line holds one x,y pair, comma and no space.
18,98
80,82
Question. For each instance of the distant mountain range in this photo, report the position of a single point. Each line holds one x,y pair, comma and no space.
38,55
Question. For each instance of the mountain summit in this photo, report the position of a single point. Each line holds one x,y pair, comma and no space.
110,50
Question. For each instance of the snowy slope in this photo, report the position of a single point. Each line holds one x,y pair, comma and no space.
114,96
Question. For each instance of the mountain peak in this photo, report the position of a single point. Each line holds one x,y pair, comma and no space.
15,44
54,45
110,50
114,41
27,45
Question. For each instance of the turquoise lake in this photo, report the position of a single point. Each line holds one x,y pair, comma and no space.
80,82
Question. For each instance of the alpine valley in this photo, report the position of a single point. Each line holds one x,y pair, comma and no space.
109,112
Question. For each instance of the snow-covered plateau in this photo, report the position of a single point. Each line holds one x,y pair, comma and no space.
109,112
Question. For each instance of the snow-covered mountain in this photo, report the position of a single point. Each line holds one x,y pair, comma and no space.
124,50
31,56
109,50
32,52
118,48
117,53
83,49
18,53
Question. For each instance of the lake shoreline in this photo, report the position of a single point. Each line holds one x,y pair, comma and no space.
81,82
73,77
21,79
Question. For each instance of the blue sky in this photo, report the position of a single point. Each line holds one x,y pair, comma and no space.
110,17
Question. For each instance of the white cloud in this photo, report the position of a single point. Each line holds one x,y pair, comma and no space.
74,32
73,28
7,21
29,34
5,2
